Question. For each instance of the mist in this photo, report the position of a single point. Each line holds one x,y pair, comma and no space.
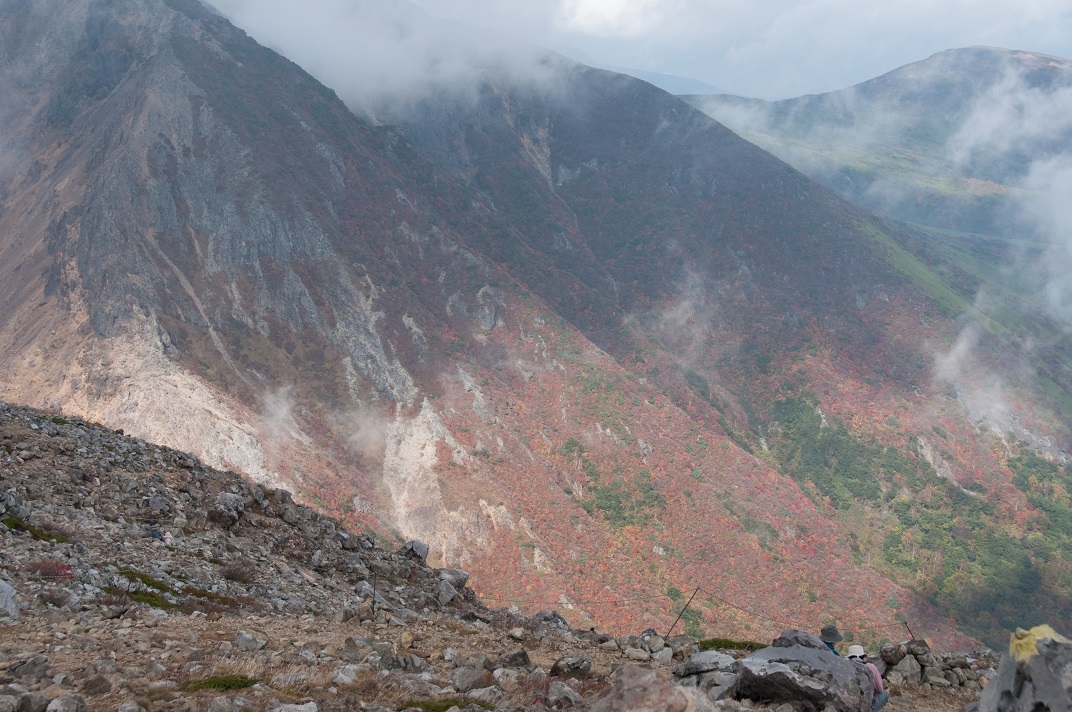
376,54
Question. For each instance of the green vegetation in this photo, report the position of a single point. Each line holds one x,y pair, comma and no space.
220,682
940,539
40,533
727,644
621,504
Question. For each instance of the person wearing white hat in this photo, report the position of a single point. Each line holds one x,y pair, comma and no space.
858,655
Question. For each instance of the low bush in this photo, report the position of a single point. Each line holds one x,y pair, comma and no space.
50,569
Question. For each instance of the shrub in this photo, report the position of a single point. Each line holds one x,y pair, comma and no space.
50,569
219,682
240,572
48,531
727,644
57,597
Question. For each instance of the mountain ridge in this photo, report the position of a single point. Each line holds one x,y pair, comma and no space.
560,342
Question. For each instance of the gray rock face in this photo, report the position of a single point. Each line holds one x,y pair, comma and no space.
711,671
817,679
227,510
1042,682
12,503
9,606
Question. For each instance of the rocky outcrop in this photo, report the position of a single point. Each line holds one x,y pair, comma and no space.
1036,675
817,679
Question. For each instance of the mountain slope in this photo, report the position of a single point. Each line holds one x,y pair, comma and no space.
946,141
571,333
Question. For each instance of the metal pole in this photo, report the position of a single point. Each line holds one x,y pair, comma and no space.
910,633
682,612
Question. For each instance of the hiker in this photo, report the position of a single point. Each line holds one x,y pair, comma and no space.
856,654
830,635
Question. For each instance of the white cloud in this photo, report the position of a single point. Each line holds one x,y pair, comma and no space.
611,18
773,48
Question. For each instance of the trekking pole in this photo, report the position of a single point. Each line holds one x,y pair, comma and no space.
682,612
910,633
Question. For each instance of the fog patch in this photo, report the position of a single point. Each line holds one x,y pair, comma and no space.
364,431
378,56
275,424
980,392
1047,207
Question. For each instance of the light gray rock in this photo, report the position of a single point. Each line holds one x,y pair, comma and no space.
132,706
9,605
795,636
307,707
221,704
446,593
663,656
908,669
455,577
637,654
416,549
559,694
640,689
469,678
228,509
576,665
804,674
67,702
250,641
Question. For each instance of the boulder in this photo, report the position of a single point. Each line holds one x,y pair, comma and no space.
446,593
640,689
415,549
518,657
560,695
908,670
471,678
710,670
12,504
815,679
227,510
1035,675
250,641
455,577
795,636
67,702
576,665
9,606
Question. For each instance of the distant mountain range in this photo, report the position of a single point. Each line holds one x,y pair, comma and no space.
947,141
581,338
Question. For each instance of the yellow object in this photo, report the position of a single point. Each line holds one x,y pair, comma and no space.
1024,643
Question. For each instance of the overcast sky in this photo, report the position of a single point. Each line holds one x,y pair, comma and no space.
771,48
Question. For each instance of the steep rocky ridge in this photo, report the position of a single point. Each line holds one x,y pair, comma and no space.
548,336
